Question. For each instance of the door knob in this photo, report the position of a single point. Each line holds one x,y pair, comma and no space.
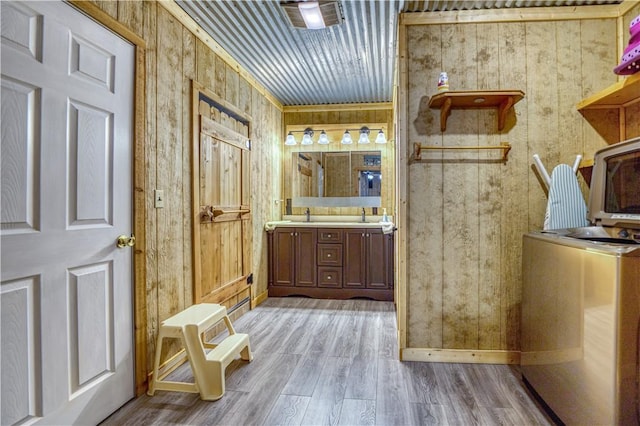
124,241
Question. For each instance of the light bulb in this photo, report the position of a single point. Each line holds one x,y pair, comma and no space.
364,136
290,139
381,138
323,139
306,139
346,138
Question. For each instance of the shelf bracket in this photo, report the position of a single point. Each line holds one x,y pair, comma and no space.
503,109
445,111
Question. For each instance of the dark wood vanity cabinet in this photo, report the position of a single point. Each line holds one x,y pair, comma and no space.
368,259
293,257
331,263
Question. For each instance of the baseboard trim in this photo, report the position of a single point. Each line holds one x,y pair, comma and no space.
466,356
259,299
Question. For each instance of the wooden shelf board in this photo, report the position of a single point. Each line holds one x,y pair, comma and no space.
467,98
617,95
473,99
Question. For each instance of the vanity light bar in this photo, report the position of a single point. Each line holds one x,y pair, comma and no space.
323,139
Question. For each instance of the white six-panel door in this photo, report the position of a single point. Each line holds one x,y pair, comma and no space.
66,292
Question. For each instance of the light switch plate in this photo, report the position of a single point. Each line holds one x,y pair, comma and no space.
159,198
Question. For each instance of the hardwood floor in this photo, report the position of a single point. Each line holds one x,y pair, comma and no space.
335,362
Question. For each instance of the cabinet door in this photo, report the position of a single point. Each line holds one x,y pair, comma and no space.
355,258
377,259
305,270
283,258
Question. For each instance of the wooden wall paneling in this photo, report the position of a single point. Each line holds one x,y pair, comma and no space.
205,65
232,83
597,36
632,121
110,7
219,85
401,96
542,93
149,33
570,121
131,14
189,66
460,192
424,191
490,196
514,178
169,168
140,223
259,200
244,96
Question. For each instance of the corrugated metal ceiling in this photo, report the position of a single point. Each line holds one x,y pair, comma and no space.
348,63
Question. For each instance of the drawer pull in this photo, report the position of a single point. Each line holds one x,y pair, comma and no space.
328,235
328,277
329,255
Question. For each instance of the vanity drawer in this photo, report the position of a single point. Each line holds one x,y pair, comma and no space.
329,277
330,254
330,235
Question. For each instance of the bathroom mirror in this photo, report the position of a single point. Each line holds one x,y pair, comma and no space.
336,174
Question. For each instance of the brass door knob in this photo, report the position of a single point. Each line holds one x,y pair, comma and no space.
124,241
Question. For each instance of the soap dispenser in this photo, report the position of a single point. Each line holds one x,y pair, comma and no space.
384,215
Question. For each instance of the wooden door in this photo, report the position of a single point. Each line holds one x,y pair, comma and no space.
223,241
66,292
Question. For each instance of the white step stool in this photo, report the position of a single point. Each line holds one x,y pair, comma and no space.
208,368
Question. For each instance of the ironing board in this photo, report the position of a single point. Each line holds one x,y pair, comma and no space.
566,207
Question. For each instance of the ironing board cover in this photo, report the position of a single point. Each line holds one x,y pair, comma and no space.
566,207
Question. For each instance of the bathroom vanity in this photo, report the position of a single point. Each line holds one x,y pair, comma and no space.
330,260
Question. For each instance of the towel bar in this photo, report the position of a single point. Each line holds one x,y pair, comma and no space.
417,148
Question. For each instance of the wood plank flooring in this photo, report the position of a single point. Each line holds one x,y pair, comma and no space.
335,362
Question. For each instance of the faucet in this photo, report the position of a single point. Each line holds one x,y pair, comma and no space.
363,216
308,213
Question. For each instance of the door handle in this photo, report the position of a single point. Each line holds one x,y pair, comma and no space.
124,241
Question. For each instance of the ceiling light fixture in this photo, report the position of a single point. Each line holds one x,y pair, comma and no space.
313,15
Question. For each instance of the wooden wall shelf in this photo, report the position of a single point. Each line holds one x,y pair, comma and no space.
621,94
474,99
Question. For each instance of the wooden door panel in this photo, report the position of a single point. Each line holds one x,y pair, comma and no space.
377,260
305,271
354,262
283,265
